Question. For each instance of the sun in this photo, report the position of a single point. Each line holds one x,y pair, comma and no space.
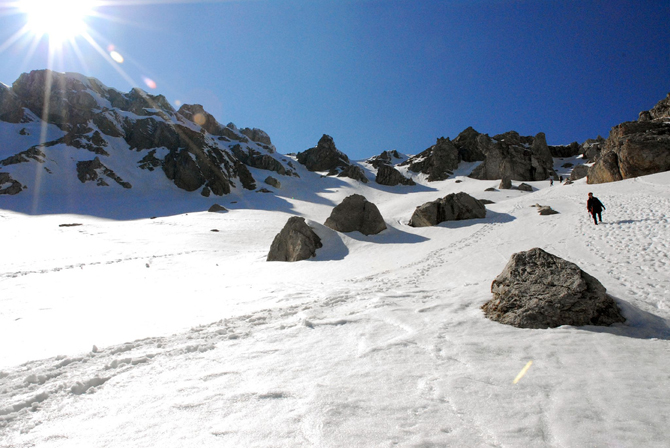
59,20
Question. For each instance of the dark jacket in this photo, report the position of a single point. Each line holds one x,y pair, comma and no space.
593,205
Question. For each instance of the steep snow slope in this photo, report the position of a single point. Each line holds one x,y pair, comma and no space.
378,341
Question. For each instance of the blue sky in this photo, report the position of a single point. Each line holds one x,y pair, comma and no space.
380,74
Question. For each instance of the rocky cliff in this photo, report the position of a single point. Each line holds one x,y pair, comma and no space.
65,123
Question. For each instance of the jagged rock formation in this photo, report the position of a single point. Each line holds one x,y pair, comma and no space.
189,145
540,290
95,171
636,148
453,207
592,148
387,175
296,241
514,156
389,158
468,146
356,213
326,157
438,162
8,185
563,151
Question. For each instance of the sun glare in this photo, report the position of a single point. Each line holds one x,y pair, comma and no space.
58,19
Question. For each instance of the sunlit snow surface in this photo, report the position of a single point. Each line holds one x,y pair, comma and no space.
379,341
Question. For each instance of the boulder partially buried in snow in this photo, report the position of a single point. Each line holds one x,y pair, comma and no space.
540,290
453,207
296,241
356,213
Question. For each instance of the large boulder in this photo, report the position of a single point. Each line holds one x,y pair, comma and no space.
579,172
296,241
633,149
514,156
356,213
438,162
453,207
387,175
540,290
324,156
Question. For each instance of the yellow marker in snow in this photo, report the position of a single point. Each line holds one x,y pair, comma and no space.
523,372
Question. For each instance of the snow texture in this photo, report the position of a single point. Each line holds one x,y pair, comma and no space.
160,332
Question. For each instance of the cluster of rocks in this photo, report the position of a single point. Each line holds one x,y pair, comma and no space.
196,152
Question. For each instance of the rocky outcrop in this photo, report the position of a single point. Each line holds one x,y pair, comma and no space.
438,162
8,185
468,146
514,156
190,146
659,111
389,176
356,213
95,171
540,290
453,207
579,172
354,172
296,241
564,151
324,157
635,148
385,158
592,148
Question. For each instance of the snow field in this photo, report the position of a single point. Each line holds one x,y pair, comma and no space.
378,341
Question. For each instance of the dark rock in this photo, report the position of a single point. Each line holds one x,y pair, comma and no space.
633,149
438,162
387,175
540,290
485,201
245,176
94,170
296,241
324,156
453,207
468,147
33,153
490,189
11,107
514,156
256,159
578,172
354,172
561,151
567,165
258,135
385,158
198,115
8,185
206,192
217,208
356,213
263,190
659,111
545,210
524,187
273,182
505,184
150,161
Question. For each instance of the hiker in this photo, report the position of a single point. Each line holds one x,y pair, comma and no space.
551,182
560,179
595,208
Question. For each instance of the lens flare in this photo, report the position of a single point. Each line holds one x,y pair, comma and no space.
116,56
59,20
149,82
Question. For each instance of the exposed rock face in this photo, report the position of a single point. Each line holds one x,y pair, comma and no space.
592,148
296,241
514,156
438,162
540,290
469,149
8,185
385,158
634,148
387,175
561,151
190,146
354,172
578,172
659,111
453,207
324,156
94,170
356,213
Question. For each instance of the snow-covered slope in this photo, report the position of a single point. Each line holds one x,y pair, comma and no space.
378,341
